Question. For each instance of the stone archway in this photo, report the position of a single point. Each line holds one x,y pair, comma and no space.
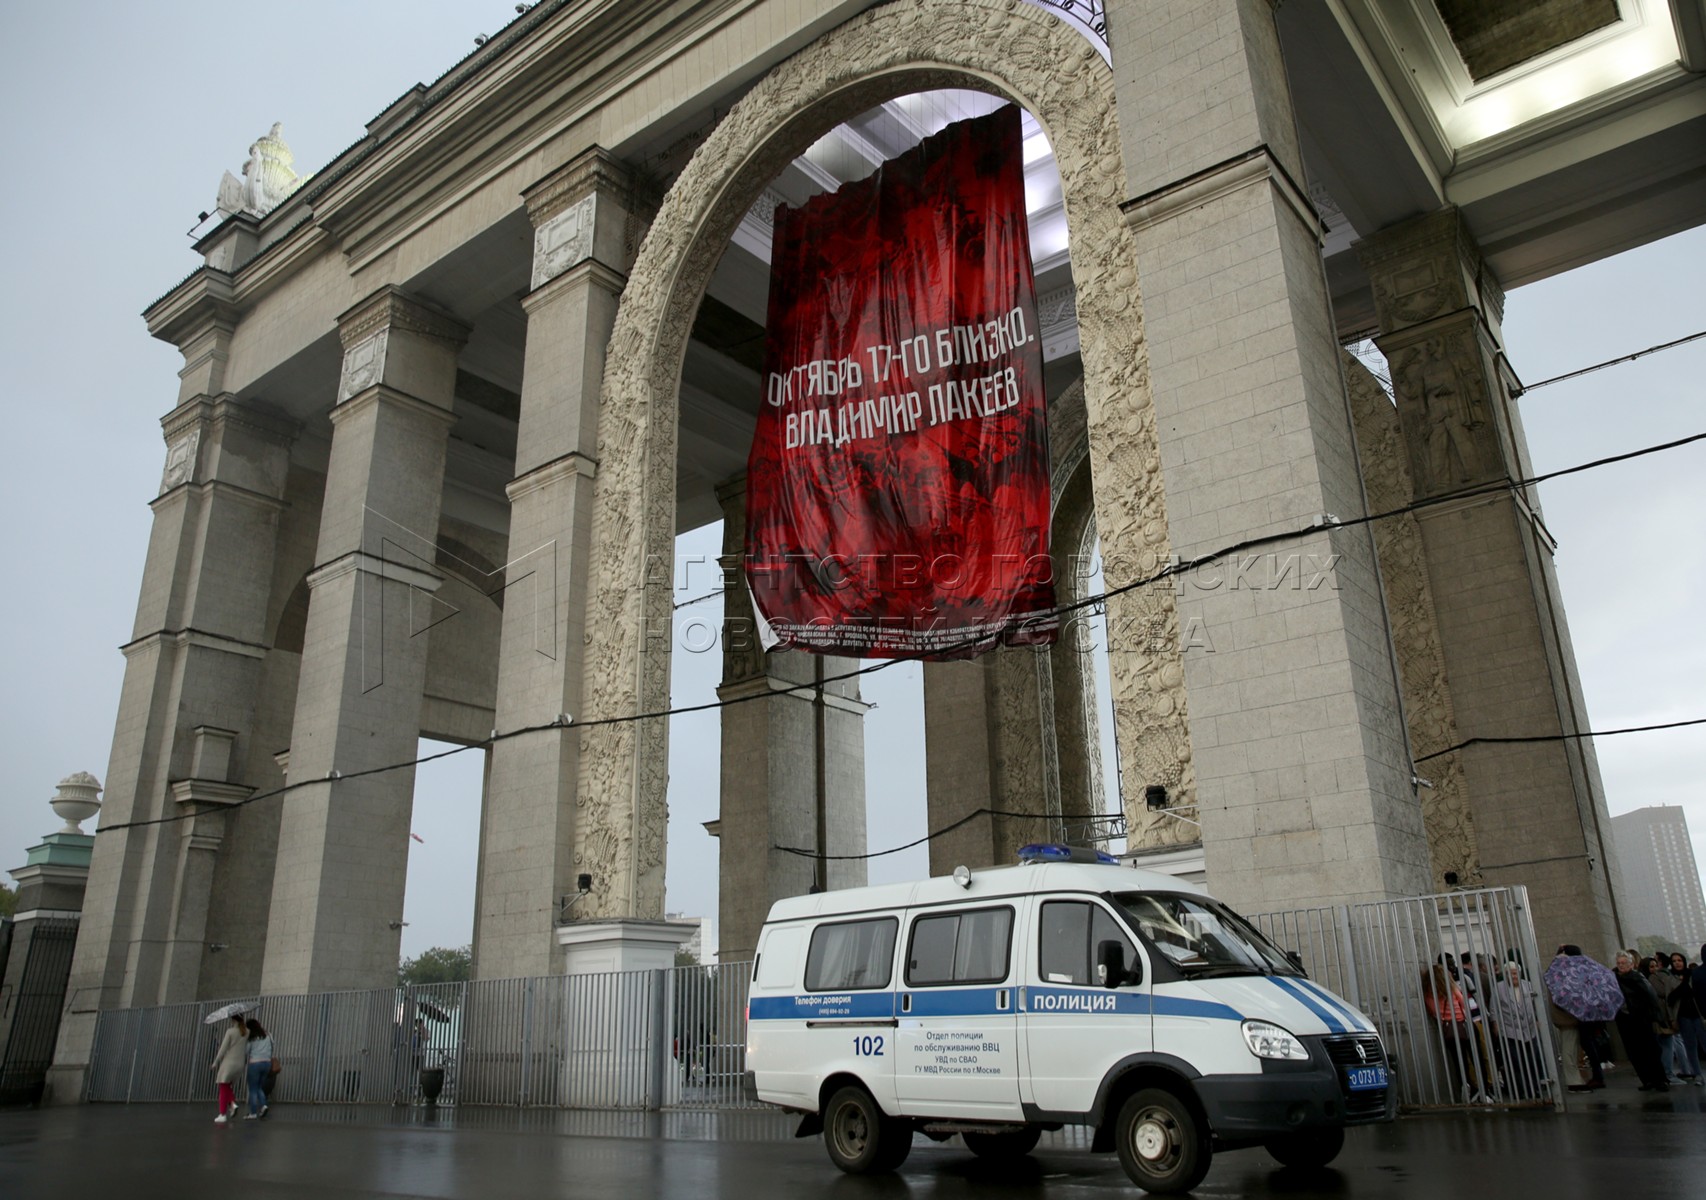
1003,47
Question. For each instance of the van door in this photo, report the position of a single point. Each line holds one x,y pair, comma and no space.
1075,1029
958,1029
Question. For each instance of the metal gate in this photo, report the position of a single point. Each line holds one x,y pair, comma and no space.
624,1040
37,1007
1452,981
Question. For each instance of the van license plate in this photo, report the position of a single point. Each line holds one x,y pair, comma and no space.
1365,1079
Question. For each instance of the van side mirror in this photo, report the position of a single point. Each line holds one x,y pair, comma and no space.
1110,966
1296,959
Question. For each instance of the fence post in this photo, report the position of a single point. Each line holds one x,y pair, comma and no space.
1347,956
657,1051
526,1039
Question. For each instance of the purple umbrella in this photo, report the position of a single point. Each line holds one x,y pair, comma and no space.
1585,989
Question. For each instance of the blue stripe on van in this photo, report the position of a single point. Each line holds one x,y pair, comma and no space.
1183,1006
1352,1018
1334,1025
822,1006
959,1002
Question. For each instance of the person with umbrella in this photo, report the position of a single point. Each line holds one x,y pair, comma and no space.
1582,994
228,1065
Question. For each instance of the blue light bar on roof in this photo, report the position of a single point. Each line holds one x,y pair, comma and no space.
1054,852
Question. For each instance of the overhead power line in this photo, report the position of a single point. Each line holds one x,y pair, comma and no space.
1089,602
1612,362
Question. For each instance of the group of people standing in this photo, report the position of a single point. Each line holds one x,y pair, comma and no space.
246,1050
1659,1024
1486,1013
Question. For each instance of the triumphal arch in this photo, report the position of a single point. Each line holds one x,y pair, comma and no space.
446,404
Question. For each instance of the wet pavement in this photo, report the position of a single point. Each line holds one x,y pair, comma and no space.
1616,1141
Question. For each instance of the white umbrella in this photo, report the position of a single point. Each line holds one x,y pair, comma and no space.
226,1011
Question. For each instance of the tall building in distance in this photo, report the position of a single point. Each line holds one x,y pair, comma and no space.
1660,879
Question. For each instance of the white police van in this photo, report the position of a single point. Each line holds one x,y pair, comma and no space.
1065,990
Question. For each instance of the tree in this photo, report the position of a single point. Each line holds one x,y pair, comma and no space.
1654,944
441,964
8,900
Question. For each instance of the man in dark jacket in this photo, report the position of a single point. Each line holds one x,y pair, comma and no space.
1635,1024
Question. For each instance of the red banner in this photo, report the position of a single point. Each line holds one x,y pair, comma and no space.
898,486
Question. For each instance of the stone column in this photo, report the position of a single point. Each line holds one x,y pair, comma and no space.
586,220
194,661
793,764
985,747
1538,808
1302,773
337,897
51,884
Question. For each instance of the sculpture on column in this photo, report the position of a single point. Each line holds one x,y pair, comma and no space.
269,178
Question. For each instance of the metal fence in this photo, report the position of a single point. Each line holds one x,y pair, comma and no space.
1433,972
624,1040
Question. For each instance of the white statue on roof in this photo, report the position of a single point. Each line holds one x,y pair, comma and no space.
269,177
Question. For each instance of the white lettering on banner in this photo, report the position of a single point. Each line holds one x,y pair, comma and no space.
943,400
1072,1002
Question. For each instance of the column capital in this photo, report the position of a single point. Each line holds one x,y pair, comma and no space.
392,308
594,206
1427,267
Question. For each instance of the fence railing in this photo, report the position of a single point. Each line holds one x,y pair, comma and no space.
1432,972
677,1038
623,1040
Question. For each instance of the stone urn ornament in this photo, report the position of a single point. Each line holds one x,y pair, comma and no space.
78,799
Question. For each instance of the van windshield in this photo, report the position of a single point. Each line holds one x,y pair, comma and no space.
1201,937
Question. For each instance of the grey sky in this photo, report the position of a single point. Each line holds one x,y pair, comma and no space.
120,118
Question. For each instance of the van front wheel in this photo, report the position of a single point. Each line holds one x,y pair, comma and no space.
1162,1145
861,1140
1314,1149
1003,1146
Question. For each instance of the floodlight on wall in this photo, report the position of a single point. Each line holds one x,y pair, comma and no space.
1155,797
396,924
216,947
583,885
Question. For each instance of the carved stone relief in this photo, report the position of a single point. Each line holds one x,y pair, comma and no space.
563,241
1000,46
1428,711
364,364
1442,396
180,459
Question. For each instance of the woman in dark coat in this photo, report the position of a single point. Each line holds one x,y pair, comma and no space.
1635,1024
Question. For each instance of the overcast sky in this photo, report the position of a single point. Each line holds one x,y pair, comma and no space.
120,119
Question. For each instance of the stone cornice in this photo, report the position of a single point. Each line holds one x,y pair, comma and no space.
758,685
558,469
392,308
208,298
1221,179
588,270
209,791
227,409
372,564
194,637
379,393
219,487
593,171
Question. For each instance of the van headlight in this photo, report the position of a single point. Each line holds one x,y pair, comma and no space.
1267,1040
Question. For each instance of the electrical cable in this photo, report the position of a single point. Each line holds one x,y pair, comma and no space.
1172,569
1612,362
1557,737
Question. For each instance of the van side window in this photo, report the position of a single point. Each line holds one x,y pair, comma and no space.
1066,941
851,955
962,947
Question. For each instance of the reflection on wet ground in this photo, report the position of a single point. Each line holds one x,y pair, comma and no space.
175,1152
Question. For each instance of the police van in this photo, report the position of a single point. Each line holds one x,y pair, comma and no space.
1065,990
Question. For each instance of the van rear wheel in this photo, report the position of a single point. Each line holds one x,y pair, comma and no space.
1316,1148
860,1138
1003,1146
1162,1145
